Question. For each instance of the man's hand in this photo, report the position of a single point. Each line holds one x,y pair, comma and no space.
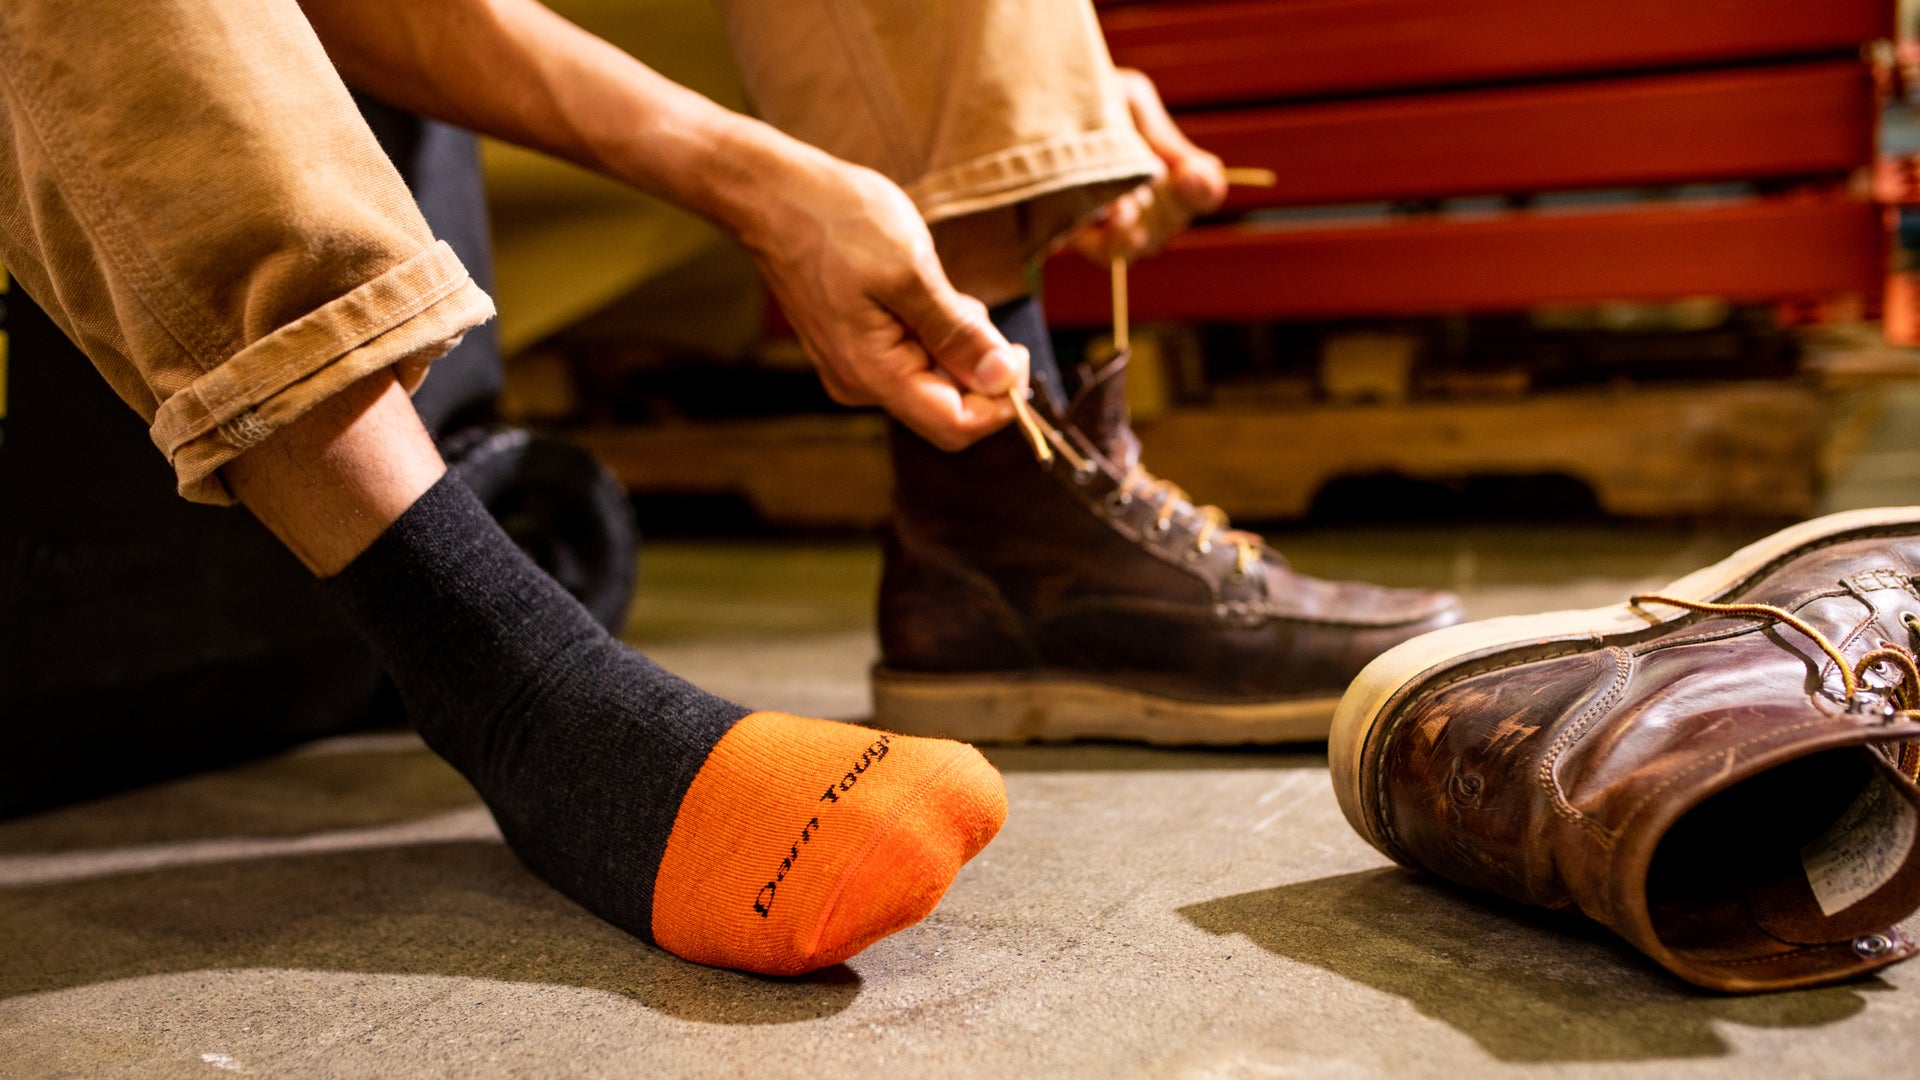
853,266
1144,219
843,249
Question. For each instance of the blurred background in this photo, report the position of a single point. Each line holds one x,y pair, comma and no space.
1638,260
1551,301
1548,301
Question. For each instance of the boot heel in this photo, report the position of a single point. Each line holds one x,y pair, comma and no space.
971,710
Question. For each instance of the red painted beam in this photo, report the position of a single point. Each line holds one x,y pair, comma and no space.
1227,51
1763,250
1793,120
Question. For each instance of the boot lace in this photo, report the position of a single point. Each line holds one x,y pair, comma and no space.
1902,697
1170,496
1047,440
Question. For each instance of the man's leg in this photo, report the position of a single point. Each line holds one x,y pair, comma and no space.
740,839
81,489
267,325
1080,597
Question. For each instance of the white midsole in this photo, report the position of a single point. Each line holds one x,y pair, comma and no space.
985,709
1414,660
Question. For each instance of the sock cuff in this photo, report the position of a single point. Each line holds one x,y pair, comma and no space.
447,515
444,576
1023,322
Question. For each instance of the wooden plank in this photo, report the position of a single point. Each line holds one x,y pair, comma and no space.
1733,448
1753,448
1229,51
1760,250
811,471
1741,124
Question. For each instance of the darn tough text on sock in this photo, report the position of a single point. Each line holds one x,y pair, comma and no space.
763,901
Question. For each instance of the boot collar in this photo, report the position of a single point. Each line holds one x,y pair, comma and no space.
1099,413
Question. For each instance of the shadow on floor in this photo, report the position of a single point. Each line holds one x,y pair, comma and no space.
348,783
390,900
466,910
1527,985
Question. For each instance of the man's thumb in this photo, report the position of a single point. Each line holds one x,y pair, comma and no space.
956,332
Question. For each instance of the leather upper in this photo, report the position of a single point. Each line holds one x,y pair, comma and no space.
1553,775
997,562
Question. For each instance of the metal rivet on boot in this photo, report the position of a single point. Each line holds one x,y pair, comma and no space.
1872,945
1117,503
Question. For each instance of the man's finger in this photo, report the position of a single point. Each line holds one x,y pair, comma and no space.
1199,181
955,331
945,414
1094,242
840,389
1197,177
1150,116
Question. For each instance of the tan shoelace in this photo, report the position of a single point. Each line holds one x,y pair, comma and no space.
1046,439
1169,496
1904,695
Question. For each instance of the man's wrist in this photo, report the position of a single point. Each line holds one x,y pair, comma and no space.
749,185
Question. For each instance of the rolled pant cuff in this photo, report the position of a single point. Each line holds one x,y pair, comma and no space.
406,318
1100,165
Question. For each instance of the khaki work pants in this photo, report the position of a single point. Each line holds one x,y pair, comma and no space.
186,187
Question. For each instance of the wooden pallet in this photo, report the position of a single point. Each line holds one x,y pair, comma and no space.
1511,104
1756,448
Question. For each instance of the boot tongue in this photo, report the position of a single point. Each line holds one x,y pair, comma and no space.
1099,411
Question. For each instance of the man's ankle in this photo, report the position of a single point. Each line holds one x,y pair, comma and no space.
331,482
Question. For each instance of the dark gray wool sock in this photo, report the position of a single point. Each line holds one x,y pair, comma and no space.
1023,322
581,747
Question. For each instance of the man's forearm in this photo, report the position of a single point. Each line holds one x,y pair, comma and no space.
842,248
517,71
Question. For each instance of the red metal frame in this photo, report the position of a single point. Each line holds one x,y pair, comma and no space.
1762,250
1244,50
1749,123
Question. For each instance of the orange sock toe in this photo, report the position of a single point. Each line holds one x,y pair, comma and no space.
802,842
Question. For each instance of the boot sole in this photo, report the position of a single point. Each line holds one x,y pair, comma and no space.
989,709
1366,713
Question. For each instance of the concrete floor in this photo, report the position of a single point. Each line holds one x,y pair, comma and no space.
349,910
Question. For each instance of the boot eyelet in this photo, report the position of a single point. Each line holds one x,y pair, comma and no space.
1118,502
1872,945
1158,529
1199,551
1084,474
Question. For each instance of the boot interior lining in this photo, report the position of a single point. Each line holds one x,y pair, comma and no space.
1747,871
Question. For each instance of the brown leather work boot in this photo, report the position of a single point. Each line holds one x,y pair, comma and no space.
1715,772
1082,598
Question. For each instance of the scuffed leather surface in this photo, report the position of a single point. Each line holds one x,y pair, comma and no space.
996,563
1551,778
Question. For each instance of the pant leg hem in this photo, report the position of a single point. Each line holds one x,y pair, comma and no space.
407,317
1033,170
